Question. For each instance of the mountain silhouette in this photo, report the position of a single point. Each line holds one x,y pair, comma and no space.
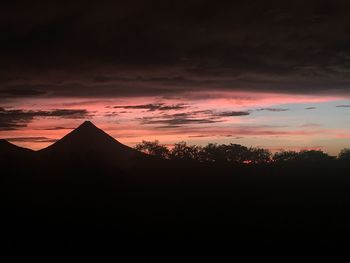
89,145
9,151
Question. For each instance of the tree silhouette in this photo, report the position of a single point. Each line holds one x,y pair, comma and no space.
313,156
344,155
237,153
285,156
185,152
259,155
213,152
233,153
153,148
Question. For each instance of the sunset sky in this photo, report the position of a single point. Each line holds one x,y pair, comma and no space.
257,73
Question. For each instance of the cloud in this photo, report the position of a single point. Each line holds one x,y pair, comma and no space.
154,107
310,108
247,131
111,114
57,128
67,113
177,120
273,109
310,125
216,135
30,139
343,106
19,93
115,49
17,118
233,113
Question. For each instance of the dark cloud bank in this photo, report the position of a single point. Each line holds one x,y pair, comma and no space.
138,48
30,139
176,120
153,107
17,118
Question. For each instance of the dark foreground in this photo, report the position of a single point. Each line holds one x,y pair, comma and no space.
88,195
87,208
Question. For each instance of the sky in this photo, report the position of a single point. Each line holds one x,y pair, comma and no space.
272,74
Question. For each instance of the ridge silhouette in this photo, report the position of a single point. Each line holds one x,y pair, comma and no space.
12,152
6,145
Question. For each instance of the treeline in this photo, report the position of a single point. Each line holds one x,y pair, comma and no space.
234,153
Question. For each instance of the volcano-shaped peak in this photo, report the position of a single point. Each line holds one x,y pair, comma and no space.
86,134
87,125
90,146
89,139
